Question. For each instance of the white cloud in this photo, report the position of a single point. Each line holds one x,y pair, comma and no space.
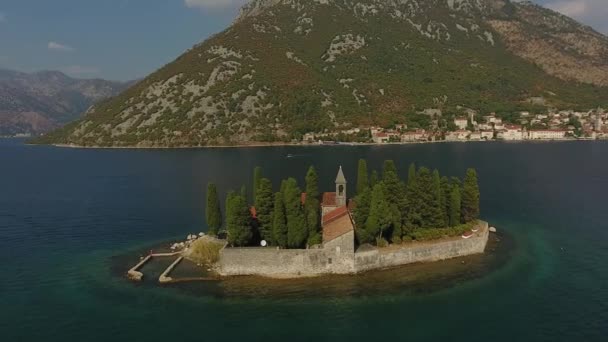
54,46
214,4
79,70
589,12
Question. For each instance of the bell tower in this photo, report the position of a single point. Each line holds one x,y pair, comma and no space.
340,188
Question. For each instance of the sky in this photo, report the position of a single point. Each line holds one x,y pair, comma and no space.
128,39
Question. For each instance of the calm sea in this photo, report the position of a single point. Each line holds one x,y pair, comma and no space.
64,213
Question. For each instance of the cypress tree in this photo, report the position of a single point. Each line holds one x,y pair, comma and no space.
279,223
423,200
257,176
296,221
411,174
445,199
213,214
312,183
379,213
390,179
360,215
362,179
373,180
455,205
437,218
264,205
470,196
238,220
312,206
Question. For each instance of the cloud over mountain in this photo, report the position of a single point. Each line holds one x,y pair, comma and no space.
54,46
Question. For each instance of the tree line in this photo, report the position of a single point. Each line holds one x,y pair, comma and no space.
389,209
282,218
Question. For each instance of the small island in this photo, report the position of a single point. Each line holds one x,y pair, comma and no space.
303,233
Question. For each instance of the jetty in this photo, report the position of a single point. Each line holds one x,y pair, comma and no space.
164,277
136,275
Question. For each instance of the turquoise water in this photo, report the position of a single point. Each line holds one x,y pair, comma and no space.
64,213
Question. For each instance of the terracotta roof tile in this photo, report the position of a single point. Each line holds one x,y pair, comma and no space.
329,199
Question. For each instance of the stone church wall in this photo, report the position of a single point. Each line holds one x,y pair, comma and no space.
338,257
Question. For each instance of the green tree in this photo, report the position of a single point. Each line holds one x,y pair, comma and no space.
362,177
279,222
411,174
438,205
379,213
264,204
422,212
257,176
446,190
213,214
312,206
238,220
360,215
373,180
470,196
297,233
455,205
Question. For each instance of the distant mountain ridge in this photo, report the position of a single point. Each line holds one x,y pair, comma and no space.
286,67
35,103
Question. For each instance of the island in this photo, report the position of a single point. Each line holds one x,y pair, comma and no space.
302,233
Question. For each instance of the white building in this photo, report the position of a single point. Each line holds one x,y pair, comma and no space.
380,138
511,132
549,134
418,135
458,135
461,123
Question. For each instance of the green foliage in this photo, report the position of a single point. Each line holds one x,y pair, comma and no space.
439,213
362,177
238,220
455,204
379,217
312,183
373,180
470,197
213,214
257,175
411,175
297,232
279,222
264,205
360,215
438,233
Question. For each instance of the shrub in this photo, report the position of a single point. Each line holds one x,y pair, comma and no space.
205,251
438,233
381,242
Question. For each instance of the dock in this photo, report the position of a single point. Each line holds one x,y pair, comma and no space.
134,273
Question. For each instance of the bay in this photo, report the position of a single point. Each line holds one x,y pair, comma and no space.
65,212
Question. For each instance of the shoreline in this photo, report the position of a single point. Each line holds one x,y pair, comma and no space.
262,145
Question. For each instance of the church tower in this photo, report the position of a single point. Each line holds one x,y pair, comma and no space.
340,188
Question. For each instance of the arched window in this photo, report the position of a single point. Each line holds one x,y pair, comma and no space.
340,190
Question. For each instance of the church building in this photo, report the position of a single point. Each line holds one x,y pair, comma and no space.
336,218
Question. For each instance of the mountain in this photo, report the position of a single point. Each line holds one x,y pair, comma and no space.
40,102
286,67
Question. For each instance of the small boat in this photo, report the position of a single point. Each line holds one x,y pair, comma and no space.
290,155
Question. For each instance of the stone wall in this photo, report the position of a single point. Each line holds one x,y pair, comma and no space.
338,257
335,257
423,251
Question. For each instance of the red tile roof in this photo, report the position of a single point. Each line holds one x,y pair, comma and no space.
336,224
335,214
329,199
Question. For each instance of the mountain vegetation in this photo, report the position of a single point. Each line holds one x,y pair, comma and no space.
40,102
287,67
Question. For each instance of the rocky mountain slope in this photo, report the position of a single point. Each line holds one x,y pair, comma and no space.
39,102
286,67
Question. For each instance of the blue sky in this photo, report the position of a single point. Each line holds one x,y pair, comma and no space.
128,39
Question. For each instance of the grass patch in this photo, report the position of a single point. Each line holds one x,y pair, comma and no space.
206,251
438,233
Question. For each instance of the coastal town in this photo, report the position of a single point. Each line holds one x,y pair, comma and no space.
554,125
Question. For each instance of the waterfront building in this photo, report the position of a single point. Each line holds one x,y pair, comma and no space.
511,132
547,134
461,122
